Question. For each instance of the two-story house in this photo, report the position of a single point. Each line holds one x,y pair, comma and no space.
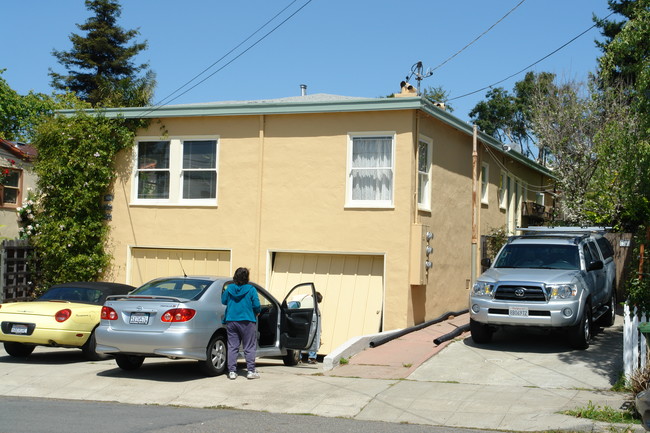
375,200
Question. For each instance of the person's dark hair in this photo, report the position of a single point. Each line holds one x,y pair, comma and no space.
241,276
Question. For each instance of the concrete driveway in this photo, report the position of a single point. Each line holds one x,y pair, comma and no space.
521,382
521,358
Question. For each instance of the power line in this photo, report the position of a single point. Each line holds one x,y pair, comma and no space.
479,36
529,66
169,98
161,102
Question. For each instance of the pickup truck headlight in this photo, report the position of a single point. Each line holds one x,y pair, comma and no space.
482,288
562,291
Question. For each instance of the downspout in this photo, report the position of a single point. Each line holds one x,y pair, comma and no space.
474,207
260,197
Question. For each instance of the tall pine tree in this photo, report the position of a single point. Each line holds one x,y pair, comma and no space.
100,66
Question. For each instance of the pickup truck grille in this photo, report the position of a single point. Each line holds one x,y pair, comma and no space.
514,293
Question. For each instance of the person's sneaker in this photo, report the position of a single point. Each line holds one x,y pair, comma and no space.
311,361
253,375
232,375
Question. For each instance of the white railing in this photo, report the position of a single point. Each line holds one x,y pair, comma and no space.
634,344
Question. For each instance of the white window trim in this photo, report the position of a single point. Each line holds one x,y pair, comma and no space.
485,183
426,206
377,204
175,172
503,191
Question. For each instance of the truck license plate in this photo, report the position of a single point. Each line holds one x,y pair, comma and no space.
518,311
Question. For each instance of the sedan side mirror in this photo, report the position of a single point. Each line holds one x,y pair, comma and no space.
595,265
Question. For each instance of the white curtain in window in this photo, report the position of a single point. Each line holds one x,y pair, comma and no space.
372,168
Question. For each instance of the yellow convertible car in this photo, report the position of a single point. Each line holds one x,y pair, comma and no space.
66,315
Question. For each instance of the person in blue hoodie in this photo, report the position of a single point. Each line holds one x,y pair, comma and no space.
242,307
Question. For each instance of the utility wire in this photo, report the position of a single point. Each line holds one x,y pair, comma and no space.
161,102
479,36
529,66
169,98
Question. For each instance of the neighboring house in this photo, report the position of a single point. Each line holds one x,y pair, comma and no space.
345,192
17,178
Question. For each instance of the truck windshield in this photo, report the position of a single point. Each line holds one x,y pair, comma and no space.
539,256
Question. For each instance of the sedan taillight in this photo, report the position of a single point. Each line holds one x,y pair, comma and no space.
178,315
62,315
108,313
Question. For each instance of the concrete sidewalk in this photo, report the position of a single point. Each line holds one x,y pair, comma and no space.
401,381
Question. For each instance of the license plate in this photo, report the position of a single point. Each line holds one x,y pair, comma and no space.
518,311
18,329
139,318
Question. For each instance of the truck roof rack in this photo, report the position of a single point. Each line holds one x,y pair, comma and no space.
576,237
574,230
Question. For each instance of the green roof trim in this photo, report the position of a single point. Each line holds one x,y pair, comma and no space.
316,103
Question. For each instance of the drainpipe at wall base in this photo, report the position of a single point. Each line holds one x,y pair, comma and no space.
382,340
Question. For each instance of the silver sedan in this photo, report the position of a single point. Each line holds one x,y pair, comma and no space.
181,318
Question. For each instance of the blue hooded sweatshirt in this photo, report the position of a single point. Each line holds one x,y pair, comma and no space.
242,303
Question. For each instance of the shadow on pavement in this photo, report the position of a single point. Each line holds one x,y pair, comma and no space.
604,355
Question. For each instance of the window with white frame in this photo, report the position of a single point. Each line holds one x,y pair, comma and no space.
176,171
504,190
424,173
370,170
485,182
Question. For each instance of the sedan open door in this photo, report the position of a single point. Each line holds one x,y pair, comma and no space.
300,317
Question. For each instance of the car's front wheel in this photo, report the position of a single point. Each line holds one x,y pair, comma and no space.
291,358
18,350
89,349
129,362
580,334
481,333
217,355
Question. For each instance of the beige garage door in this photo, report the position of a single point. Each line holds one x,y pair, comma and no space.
150,263
352,289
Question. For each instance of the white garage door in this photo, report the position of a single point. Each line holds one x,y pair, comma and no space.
352,289
150,263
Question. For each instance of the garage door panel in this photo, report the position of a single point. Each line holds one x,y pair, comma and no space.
150,263
351,285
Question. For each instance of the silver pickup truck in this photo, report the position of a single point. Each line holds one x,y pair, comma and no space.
560,277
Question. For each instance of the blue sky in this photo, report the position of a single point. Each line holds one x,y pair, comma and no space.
353,48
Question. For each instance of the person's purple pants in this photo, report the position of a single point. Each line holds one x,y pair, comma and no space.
244,333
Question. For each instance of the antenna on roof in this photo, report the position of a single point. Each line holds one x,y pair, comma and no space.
417,71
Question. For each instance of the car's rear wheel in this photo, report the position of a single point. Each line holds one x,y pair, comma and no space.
481,333
291,358
18,350
580,334
217,355
609,317
89,349
129,362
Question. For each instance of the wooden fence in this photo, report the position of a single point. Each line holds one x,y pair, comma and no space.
15,271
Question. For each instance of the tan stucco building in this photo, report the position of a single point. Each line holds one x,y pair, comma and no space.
345,192
18,178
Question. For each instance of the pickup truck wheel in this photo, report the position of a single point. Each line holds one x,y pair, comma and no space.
580,334
481,333
609,317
